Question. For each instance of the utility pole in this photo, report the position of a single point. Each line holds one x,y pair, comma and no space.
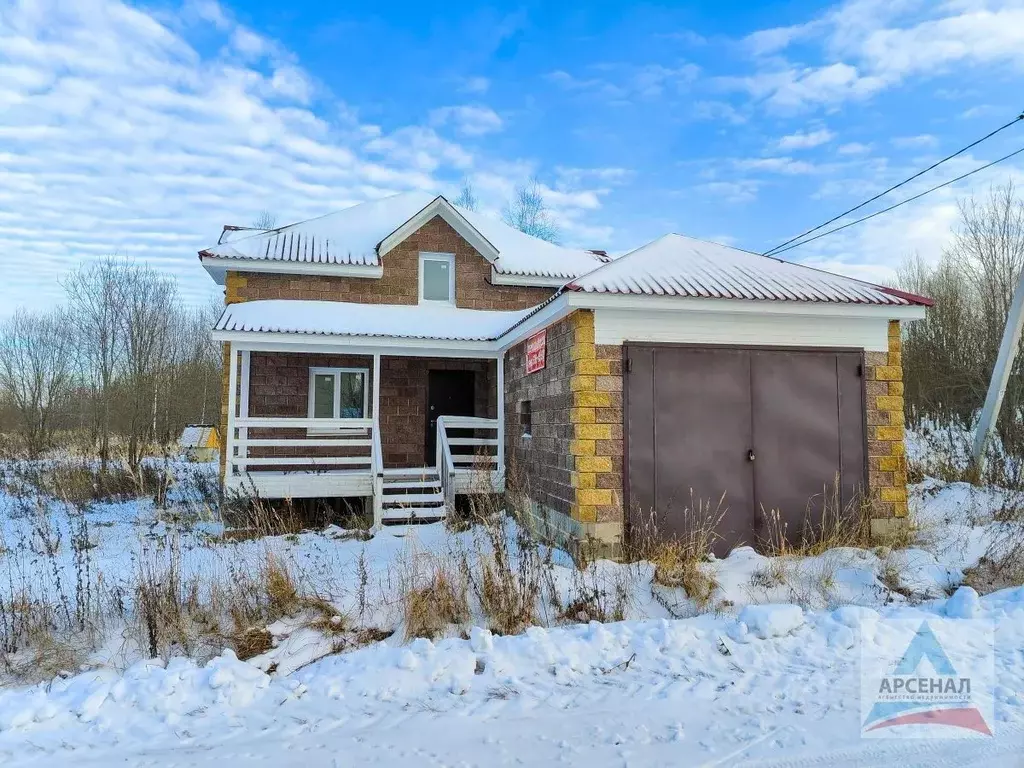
1001,374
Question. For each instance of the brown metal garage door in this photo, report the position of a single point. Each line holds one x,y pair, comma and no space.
754,429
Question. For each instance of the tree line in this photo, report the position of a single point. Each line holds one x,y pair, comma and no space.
948,358
119,363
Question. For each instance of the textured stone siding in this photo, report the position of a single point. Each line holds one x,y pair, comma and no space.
572,464
400,282
887,462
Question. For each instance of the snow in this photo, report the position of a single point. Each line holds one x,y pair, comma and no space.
765,621
338,318
351,236
676,265
768,672
964,604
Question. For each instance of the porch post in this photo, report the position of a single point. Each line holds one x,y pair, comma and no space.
229,438
243,432
500,362
376,387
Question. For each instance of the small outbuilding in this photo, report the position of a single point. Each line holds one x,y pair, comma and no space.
200,442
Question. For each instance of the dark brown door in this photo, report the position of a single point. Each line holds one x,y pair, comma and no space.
769,429
689,428
795,403
449,393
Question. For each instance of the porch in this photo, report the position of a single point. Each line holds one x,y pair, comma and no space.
406,428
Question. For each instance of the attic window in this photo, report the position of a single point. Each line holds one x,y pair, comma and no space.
437,278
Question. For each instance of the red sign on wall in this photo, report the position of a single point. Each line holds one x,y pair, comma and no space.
536,351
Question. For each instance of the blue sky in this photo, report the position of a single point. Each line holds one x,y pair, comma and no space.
140,129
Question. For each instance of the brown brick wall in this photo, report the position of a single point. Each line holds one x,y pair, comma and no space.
279,386
542,464
572,465
887,462
400,282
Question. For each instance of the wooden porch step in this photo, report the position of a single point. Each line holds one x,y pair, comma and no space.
413,498
404,484
413,514
410,472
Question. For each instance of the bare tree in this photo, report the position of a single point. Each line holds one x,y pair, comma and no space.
265,220
948,357
146,316
527,211
36,372
467,197
95,296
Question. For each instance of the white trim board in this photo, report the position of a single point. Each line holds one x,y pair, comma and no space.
528,281
218,266
620,326
439,207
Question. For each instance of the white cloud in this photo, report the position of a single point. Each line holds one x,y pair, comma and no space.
718,111
784,165
620,83
871,45
921,141
802,140
469,120
476,84
742,191
117,135
854,148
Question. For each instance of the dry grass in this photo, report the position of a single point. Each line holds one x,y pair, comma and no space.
838,525
431,609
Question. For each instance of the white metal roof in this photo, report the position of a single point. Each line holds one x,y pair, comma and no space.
338,318
352,236
675,265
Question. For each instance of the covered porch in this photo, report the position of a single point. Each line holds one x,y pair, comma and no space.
404,423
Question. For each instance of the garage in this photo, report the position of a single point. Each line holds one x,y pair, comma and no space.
740,431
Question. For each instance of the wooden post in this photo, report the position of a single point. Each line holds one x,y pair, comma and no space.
229,438
1000,375
243,408
500,362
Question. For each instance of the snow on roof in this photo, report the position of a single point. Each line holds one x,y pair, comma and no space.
195,436
675,265
352,235
349,236
522,254
338,318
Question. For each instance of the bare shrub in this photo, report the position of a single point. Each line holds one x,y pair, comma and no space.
430,609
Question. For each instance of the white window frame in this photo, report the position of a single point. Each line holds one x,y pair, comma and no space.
315,371
450,258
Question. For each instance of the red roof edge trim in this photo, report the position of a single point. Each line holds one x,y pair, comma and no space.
913,298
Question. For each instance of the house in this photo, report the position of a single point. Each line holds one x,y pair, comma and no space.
199,442
406,350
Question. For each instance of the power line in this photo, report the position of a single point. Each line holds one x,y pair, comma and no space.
896,186
780,249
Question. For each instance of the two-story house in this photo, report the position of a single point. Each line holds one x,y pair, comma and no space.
405,350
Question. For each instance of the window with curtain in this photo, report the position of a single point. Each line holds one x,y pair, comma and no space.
338,393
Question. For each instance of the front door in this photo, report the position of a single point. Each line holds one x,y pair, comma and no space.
449,393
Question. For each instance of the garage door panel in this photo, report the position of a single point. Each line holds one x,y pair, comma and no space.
640,417
853,446
694,413
702,433
796,435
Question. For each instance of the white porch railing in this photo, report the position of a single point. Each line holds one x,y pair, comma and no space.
468,463
296,457
377,466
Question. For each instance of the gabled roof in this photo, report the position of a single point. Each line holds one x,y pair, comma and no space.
362,235
338,318
675,265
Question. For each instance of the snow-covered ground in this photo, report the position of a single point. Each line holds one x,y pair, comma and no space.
768,675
